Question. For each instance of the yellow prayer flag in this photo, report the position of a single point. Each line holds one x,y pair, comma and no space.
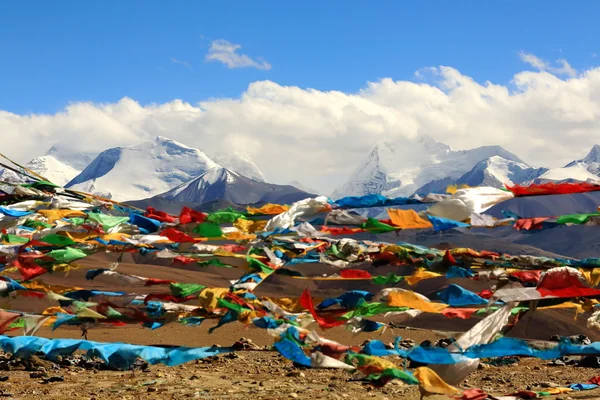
431,382
420,275
210,296
53,215
414,301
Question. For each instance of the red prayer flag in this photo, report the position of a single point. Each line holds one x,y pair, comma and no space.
188,215
527,276
529,223
159,215
355,273
325,323
177,236
462,313
552,188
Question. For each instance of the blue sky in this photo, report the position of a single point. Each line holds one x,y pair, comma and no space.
55,53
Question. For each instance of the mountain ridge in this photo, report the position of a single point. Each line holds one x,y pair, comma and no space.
142,170
401,168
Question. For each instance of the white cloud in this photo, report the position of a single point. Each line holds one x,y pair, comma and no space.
227,53
563,68
319,137
182,63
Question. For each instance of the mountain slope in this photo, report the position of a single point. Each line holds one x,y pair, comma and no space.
399,169
223,184
47,166
76,160
143,170
497,171
591,162
574,172
241,164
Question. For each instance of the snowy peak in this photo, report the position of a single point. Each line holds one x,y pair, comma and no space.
142,170
52,169
494,171
373,175
594,155
47,166
400,168
223,184
590,163
201,186
240,163
498,172
574,172
75,159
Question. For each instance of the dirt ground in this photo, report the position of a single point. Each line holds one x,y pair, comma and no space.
264,374
261,374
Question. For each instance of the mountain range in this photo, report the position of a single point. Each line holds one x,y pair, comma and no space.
167,175
423,165
175,172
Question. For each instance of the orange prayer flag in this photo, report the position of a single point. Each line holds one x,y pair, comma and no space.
408,219
268,209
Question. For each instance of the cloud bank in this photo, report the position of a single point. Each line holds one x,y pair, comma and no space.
318,137
227,53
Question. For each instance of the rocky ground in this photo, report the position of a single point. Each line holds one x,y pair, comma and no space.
259,373
262,374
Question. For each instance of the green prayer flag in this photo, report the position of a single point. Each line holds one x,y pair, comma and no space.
66,255
76,221
371,309
213,262
575,218
395,373
256,265
333,250
17,323
34,223
387,280
375,226
221,217
107,221
185,289
57,240
14,239
209,230
112,313
232,306
41,183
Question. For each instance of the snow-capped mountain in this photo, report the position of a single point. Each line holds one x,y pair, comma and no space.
575,171
498,172
400,168
58,165
47,166
494,171
143,170
54,170
77,160
240,163
591,162
223,184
